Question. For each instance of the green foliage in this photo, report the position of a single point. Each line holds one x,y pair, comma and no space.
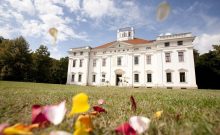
185,112
208,69
19,64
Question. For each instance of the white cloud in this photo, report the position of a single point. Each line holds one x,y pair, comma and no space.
23,6
204,42
98,8
47,7
6,31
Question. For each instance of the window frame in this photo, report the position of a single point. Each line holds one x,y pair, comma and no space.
149,61
74,63
80,78
73,78
181,57
94,78
167,59
179,42
80,62
136,80
119,59
182,80
136,59
166,44
169,80
103,79
104,62
94,62
149,77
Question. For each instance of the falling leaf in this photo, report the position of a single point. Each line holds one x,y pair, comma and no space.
2,127
178,116
79,104
98,109
55,113
125,129
53,32
20,129
158,114
83,125
59,133
139,124
163,11
133,104
38,115
101,101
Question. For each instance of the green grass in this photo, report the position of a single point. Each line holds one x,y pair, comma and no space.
199,109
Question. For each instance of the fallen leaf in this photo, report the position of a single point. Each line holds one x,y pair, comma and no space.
98,109
125,129
139,124
133,104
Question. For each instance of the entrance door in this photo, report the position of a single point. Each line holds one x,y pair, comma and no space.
117,79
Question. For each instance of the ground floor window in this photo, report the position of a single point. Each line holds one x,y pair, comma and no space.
103,77
182,77
93,78
136,77
169,77
149,77
73,77
80,78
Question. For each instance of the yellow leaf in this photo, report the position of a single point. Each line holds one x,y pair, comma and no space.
83,125
20,129
158,114
79,104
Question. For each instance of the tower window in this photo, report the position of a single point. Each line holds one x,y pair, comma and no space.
167,44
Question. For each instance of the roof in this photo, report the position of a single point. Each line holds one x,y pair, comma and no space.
126,29
134,41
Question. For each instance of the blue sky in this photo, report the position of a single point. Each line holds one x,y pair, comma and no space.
94,22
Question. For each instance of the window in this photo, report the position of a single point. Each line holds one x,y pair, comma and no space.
94,53
103,77
181,56
169,77
104,52
80,62
149,77
136,60
135,49
81,53
74,63
182,77
136,77
129,33
103,62
74,53
148,59
167,57
119,61
80,78
179,42
94,63
93,78
73,78
166,44
147,48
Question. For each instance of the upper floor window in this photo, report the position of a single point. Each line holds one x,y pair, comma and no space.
169,77
94,53
182,77
166,44
104,62
149,77
136,49
94,63
167,57
79,78
119,61
136,60
74,53
148,59
80,63
179,42
104,52
136,77
129,33
81,53
93,78
181,56
74,63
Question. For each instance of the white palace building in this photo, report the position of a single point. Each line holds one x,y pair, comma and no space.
166,62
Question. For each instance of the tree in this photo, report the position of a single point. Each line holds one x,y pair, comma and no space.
208,69
41,64
15,59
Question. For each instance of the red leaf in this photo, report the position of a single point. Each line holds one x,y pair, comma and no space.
99,109
125,129
38,115
133,104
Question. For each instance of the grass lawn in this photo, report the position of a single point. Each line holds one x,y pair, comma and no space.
199,110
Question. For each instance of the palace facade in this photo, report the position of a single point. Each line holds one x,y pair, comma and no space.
166,62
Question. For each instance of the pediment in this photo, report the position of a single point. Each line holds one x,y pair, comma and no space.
120,45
